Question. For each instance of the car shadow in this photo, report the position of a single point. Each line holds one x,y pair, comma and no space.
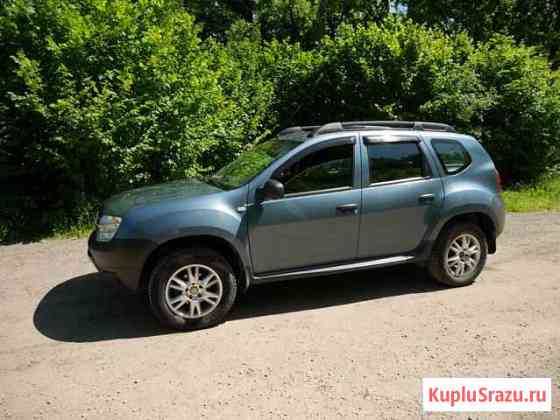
93,307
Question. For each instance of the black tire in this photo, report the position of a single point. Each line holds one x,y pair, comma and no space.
436,264
168,265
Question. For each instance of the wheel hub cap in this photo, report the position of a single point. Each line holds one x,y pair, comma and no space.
193,291
462,256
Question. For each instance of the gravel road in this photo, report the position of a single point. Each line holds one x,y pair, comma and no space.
73,345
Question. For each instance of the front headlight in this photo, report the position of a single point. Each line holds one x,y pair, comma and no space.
107,227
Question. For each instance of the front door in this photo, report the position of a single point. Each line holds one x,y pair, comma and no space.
316,222
401,199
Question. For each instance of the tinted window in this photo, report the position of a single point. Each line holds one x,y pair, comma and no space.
327,168
453,157
394,161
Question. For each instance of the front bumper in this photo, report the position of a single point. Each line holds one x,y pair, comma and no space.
124,258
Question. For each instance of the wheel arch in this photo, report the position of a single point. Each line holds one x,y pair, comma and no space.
479,218
216,243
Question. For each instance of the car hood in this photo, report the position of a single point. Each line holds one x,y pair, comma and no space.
119,204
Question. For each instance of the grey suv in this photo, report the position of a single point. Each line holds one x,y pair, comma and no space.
313,201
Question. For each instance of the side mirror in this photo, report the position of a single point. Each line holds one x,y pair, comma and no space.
273,189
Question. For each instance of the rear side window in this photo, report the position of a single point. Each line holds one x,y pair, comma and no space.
395,161
452,155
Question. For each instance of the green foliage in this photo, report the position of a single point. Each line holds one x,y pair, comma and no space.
501,92
302,21
535,22
216,17
98,96
287,19
389,71
521,128
308,21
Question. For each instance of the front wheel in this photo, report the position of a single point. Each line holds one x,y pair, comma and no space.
459,255
192,289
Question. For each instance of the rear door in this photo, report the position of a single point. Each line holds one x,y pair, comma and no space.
401,198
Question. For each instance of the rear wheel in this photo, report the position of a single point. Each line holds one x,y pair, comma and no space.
459,255
192,289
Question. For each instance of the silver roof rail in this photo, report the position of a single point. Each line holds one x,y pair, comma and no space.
297,132
383,125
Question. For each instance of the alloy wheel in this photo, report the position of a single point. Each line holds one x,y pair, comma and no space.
193,291
462,256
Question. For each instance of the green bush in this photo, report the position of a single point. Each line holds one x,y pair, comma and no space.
521,127
503,93
394,70
98,96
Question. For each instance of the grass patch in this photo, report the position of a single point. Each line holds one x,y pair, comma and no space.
543,195
72,232
73,228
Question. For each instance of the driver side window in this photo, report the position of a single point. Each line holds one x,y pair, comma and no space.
328,168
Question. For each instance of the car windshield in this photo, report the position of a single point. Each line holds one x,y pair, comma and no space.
250,163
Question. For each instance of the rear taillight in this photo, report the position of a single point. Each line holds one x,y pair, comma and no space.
498,182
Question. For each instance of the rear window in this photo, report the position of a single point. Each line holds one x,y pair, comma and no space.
452,155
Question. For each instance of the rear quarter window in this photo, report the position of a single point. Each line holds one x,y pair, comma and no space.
452,155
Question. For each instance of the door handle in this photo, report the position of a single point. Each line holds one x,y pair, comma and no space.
347,209
426,198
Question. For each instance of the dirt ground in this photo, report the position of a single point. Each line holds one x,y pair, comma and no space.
73,345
